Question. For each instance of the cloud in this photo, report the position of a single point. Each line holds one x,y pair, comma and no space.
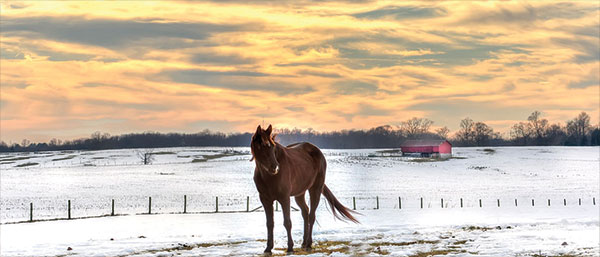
364,110
237,80
113,33
401,13
351,87
7,54
221,59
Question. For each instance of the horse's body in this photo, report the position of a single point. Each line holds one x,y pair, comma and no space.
282,172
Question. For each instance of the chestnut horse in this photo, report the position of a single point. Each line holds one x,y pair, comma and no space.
282,172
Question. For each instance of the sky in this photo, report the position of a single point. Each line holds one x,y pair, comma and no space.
70,68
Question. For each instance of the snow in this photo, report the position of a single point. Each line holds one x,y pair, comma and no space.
398,232
90,179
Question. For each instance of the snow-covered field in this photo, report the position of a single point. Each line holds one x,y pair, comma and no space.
90,179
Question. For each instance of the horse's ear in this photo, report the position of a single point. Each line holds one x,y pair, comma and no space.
258,129
269,129
274,136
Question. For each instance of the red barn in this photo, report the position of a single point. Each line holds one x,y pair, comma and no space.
427,148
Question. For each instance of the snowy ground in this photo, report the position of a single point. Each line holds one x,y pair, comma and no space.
458,232
90,179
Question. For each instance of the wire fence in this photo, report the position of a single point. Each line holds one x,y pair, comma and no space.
70,210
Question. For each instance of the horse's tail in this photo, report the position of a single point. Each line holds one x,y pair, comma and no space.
336,207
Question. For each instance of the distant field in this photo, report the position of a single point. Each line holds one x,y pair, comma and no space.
90,179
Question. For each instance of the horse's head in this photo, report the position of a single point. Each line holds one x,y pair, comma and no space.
263,147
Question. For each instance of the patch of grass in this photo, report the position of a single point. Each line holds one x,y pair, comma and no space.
404,243
489,151
64,158
206,158
389,151
6,163
162,153
477,167
460,242
27,164
419,160
321,247
559,255
98,158
458,157
437,252
472,228
16,158
184,247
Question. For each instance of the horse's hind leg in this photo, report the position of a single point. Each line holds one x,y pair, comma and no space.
315,197
300,200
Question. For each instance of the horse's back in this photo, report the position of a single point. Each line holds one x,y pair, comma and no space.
311,150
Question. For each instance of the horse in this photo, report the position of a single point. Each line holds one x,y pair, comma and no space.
285,171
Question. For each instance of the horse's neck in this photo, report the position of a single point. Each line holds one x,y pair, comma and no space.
279,151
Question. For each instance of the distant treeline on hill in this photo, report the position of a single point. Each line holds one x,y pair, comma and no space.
533,132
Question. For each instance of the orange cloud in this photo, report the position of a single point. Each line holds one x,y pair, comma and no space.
185,66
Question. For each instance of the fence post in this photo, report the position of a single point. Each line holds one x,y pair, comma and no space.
421,202
354,203
579,201
594,200
112,210
442,202
377,200
565,202
247,203
548,202
184,203
399,203
516,202
498,202
532,202
461,203
216,204
30,211
150,205
480,203
69,209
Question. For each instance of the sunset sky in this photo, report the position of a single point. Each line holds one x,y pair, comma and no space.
71,68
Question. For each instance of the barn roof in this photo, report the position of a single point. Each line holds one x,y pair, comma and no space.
424,142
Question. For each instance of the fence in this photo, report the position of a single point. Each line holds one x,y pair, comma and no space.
360,203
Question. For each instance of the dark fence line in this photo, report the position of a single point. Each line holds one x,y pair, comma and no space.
216,208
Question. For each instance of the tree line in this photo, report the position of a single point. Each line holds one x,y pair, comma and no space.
535,131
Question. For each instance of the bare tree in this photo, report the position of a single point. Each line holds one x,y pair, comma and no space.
25,143
415,126
578,128
555,134
482,134
465,133
442,132
146,156
538,127
521,132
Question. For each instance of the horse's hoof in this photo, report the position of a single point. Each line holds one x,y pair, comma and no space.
290,252
307,249
267,252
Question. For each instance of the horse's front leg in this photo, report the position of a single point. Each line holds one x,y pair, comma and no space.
268,206
287,222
